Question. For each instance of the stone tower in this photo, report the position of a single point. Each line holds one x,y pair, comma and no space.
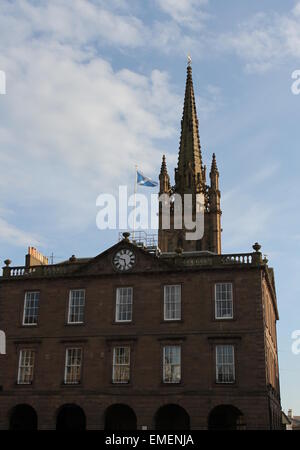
190,178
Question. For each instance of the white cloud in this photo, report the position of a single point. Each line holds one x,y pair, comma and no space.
72,126
296,10
179,32
185,12
265,40
95,24
9,234
169,37
79,119
77,22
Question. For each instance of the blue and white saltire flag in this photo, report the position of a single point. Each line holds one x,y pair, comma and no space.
145,181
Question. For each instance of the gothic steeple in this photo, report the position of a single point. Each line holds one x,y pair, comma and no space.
164,178
214,173
189,174
214,184
190,178
215,207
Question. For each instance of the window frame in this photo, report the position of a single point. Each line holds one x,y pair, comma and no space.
114,365
216,301
117,305
36,308
21,381
176,303
233,364
73,383
168,346
80,306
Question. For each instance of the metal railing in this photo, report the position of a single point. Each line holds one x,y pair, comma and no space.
142,239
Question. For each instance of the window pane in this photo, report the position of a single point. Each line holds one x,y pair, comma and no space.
31,308
121,365
172,302
172,364
26,366
124,304
223,301
225,369
76,306
73,365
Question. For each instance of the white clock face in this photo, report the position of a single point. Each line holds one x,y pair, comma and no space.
124,260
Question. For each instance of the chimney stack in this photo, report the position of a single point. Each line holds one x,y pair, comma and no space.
35,258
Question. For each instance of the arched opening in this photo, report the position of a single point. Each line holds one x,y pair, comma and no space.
120,417
23,418
226,417
70,418
172,417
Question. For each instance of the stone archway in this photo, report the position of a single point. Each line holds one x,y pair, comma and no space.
120,417
172,417
70,418
24,418
226,417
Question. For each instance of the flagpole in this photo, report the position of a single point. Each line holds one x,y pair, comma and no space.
135,191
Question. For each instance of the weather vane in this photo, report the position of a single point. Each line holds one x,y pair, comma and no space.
189,60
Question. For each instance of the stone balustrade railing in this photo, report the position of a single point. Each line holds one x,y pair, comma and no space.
38,271
220,260
242,259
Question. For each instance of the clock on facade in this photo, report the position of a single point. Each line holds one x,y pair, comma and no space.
124,260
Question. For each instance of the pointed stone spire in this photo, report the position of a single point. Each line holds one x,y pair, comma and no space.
214,174
164,177
190,159
215,208
204,174
214,167
163,169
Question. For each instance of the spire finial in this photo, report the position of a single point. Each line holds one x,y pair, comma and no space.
189,60
163,165
214,167
164,178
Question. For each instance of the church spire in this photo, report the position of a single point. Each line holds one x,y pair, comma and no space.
214,174
214,167
190,171
190,178
215,207
164,178
163,169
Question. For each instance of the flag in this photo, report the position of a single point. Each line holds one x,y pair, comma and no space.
145,181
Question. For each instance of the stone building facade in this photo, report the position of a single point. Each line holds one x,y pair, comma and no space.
178,337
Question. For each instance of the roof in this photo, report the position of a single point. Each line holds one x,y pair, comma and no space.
154,261
296,422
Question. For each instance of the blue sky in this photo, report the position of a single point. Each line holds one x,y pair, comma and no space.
95,87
